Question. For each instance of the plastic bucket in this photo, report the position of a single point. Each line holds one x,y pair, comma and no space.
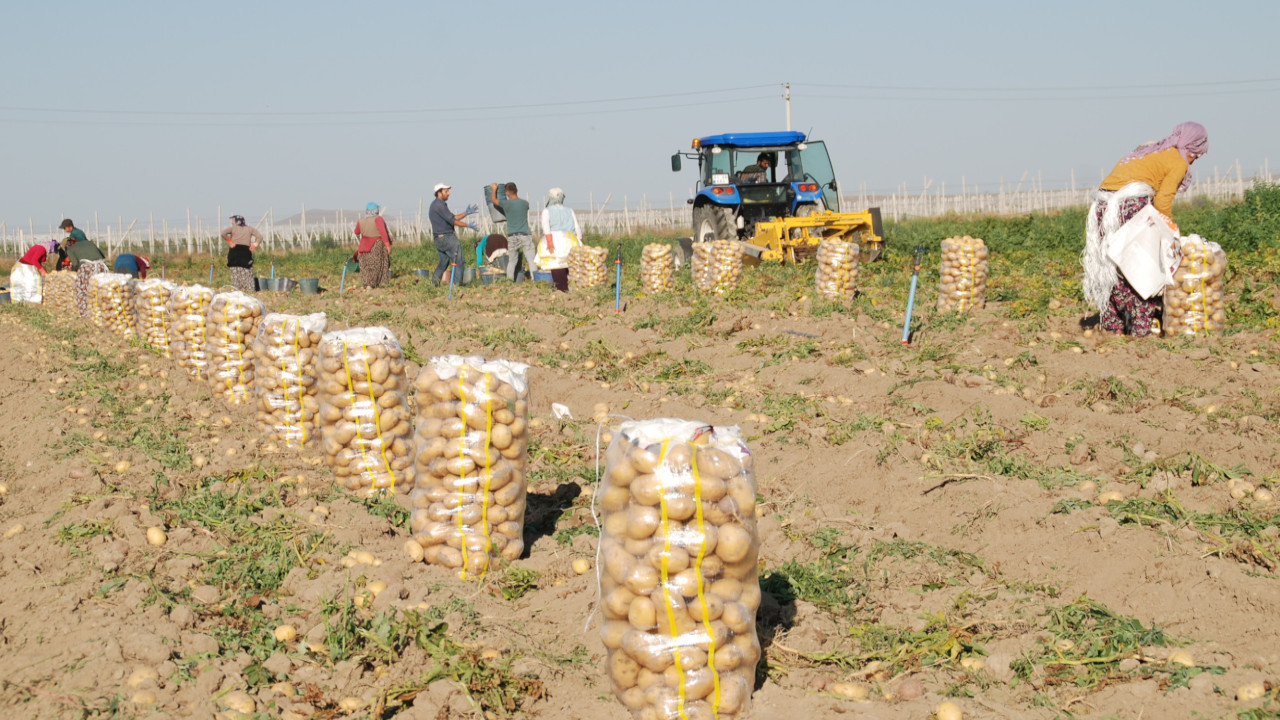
261,284
5,298
285,284
309,286
468,276
422,274
540,276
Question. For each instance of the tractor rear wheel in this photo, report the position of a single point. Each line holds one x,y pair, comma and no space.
805,210
713,222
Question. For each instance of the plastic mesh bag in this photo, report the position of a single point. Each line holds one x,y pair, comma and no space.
471,451
189,312
587,266
365,422
678,570
962,283
151,309
837,274
233,323
1194,304
657,268
287,384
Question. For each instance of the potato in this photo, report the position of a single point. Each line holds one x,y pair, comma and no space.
59,293
112,304
657,269
962,274
717,265
287,385
365,430
232,325
469,456
1193,305
664,570
151,312
587,266
837,274
189,309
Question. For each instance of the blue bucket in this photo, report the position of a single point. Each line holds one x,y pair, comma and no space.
540,276
309,286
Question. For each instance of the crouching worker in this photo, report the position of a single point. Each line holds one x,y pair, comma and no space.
135,265
26,279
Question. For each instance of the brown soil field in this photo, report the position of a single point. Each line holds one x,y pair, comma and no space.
929,519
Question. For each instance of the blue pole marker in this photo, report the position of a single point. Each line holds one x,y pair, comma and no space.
617,284
162,272
453,269
210,274
343,282
911,299
273,271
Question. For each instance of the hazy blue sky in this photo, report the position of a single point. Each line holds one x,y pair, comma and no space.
126,108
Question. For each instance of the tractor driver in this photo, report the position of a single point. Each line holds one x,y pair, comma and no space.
759,172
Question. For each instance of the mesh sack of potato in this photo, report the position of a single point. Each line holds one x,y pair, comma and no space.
365,422
233,324
837,274
151,310
726,266
587,266
677,568
962,283
286,377
471,449
59,291
113,304
657,268
700,264
189,313
1194,303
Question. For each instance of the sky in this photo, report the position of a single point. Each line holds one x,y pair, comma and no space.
153,109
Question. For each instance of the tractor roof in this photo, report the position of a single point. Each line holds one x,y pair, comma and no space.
756,139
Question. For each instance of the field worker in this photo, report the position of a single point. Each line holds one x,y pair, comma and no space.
374,251
1151,174
25,284
242,240
86,259
443,222
519,238
561,232
135,265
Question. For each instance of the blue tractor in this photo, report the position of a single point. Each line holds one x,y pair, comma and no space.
777,193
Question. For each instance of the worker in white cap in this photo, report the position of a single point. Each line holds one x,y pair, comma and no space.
443,222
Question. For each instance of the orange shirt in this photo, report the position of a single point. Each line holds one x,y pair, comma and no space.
1163,171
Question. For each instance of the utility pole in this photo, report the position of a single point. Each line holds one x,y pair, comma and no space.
786,95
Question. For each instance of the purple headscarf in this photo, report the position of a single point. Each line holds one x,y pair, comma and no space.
51,246
1187,137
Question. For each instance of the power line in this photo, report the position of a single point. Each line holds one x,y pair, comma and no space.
972,98
1039,89
348,123
415,111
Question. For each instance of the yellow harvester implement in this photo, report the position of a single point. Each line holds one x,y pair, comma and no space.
794,238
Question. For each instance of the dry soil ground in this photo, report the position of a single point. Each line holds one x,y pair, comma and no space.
921,506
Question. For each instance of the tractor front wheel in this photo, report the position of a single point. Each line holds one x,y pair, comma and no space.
713,222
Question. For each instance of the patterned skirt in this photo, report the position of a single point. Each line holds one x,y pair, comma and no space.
242,279
1126,311
88,268
375,266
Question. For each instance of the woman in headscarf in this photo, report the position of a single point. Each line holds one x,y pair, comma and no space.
24,278
561,232
241,240
1150,175
374,251
86,260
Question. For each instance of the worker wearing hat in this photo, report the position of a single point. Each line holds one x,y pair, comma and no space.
443,222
